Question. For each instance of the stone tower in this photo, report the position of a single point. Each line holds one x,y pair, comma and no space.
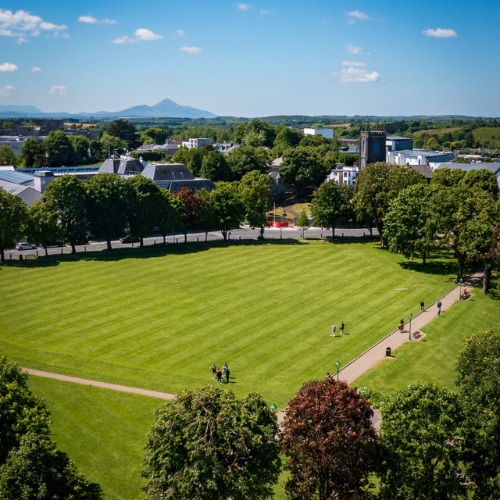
371,146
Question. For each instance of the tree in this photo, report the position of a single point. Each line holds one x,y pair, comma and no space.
255,191
331,205
13,215
36,469
329,441
405,224
285,138
107,202
42,225
110,144
124,130
66,197
155,134
194,211
209,445
20,411
81,149
215,167
303,221
422,448
33,153
376,185
225,207
170,214
246,159
257,133
483,179
7,156
302,168
143,197
478,379
58,149
447,177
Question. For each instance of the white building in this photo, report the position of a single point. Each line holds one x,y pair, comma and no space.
413,157
343,174
197,142
327,133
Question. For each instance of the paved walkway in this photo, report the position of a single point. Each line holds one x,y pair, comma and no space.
349,372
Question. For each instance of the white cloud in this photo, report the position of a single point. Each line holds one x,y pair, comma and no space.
265,12
358,64
191,50
354,50
7,90
179,34
356,15
244,6
440,33
59,90
8,68
21,24
146,35
141,35
36,69
356,75
93,20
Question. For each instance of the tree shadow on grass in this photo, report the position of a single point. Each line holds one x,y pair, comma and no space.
431,267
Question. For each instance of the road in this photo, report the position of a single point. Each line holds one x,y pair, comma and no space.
243,233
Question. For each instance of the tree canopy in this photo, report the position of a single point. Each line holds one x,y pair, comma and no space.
329,441
13,215
207,444
255,191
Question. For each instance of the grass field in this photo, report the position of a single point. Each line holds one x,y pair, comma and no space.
157,320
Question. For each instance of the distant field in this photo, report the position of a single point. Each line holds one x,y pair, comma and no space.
158,319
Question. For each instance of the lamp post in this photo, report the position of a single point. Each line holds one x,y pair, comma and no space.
460,281
337,364
409,331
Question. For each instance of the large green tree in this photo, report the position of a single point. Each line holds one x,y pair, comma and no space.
58,149
255,191
329,441
406,226
225,207
170,214
376,186
7,156
107,202
13,215
81,150
124,130
303,169
194,211
483,178
154,135
478,380
42,226
215,167
207,444
246,159
331,205
33,153
422,446
143,199
66,197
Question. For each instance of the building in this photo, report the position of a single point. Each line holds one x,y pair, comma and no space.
372,147
412,157
175,176
395,143
344,174
327,133
198,142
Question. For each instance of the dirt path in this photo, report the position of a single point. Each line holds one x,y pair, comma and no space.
349,373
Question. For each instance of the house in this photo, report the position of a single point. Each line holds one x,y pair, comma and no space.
175,176
198,142
344,174
278,187
124,165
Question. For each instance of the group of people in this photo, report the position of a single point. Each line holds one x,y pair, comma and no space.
218,374
334,329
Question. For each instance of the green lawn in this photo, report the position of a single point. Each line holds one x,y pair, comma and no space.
158,320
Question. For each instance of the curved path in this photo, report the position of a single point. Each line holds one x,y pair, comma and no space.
349,373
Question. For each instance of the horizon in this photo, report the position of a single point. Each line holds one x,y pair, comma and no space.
256,59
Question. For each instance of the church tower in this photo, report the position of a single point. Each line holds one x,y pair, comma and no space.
371,146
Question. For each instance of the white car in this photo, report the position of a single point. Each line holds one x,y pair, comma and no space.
23,245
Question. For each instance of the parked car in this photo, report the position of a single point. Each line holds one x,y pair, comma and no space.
130,239
24,245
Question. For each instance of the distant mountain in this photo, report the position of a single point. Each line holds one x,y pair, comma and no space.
164,109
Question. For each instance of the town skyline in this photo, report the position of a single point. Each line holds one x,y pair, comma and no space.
254,59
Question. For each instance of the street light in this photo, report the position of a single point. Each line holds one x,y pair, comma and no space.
460,288
409,331
337,364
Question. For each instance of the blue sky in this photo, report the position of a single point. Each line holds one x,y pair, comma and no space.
261,58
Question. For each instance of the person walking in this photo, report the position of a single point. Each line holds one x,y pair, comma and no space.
219,375
214,369
422,305
342,326
227,374
334,331
439,307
